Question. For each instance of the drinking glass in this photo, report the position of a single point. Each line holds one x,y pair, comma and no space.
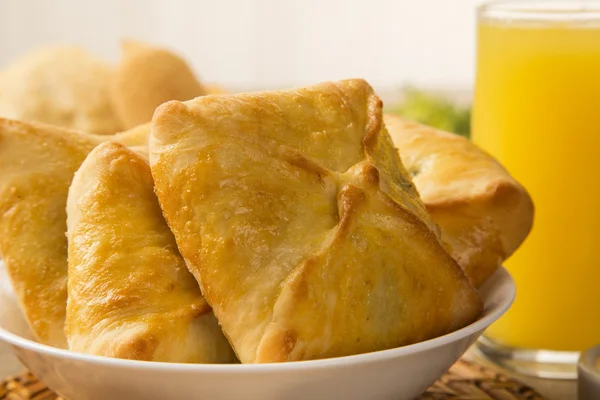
537,109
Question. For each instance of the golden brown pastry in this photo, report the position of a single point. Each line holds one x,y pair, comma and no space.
213,88
136,136
62,86
483,213
294,213
37,163
147,77
129,292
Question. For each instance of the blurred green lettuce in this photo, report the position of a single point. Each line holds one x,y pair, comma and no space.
433,110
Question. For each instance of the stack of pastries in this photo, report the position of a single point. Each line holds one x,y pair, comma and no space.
257,227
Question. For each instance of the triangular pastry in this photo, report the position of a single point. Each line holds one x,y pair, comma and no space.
37,163
130,294
147,77
484,213
294,213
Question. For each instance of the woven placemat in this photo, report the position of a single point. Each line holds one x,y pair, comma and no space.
464,381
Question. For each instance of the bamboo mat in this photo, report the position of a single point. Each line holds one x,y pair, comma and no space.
466,380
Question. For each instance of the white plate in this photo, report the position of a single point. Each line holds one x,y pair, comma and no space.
401,373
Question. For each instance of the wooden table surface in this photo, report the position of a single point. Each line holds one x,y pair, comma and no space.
551,389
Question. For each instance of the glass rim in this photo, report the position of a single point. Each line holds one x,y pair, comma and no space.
584,11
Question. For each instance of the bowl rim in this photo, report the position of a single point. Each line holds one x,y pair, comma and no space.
492,312
587,363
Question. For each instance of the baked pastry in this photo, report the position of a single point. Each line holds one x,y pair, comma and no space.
214,88
37,163
484,214
294,213
62,86
131,297
147,77
136,136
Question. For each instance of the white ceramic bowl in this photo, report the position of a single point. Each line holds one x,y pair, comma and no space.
588,370
401,373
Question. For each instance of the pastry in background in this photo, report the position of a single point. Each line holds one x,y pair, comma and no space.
214,88
61,86
37,163
484,214
147,77
294,213
136,136
133,297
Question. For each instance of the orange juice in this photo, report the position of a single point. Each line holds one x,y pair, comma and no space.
537,109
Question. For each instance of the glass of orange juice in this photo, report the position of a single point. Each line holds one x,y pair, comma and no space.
537,109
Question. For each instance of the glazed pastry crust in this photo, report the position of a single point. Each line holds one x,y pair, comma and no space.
129,292
147,77
37,163
484,214
293,211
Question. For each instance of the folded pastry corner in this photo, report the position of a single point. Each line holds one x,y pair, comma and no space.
147,77
293,211
129,293
37,163
483,212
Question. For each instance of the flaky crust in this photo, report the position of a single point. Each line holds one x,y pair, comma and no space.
37,163
62,86
484,214
294,213
129,292
147,77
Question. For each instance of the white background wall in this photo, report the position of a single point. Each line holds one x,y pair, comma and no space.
266,43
